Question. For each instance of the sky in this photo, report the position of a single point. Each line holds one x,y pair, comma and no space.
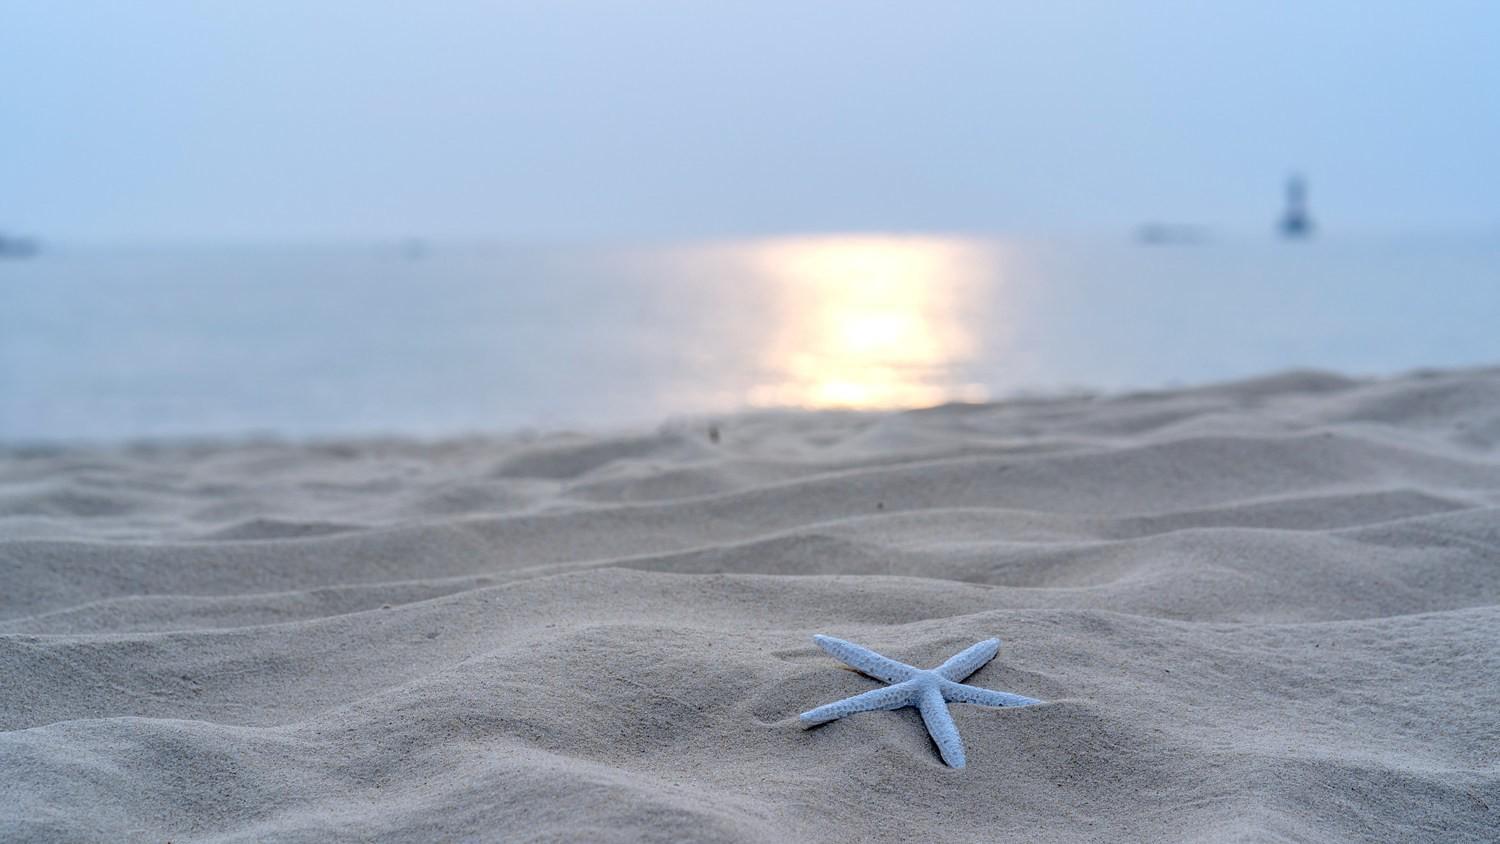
564,119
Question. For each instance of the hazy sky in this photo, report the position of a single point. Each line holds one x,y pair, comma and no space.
567,118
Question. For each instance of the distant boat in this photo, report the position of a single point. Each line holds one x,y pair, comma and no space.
17,247
1167,234
1295,222
414,249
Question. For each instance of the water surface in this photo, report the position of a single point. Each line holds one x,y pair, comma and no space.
109,344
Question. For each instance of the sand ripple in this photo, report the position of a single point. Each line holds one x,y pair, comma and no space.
1267,610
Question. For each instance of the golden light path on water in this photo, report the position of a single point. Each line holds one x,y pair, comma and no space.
871,321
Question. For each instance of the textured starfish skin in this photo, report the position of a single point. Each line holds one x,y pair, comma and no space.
929,691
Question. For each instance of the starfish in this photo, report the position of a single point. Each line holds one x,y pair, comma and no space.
929,691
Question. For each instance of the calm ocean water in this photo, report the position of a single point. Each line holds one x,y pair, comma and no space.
111,344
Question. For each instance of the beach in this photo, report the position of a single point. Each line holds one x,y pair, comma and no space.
1260,610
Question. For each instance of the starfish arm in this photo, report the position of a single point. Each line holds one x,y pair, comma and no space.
865,660
890,697
961,693
941,727
969,660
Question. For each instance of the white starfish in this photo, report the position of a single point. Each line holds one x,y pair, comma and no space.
929,691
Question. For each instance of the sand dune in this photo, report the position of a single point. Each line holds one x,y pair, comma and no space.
1259,611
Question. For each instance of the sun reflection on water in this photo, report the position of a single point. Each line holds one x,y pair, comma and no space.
870,321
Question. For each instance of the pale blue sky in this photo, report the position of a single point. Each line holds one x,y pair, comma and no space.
580,119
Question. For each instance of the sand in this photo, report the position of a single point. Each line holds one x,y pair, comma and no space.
1259,611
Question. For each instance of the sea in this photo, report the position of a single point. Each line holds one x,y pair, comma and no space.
431,338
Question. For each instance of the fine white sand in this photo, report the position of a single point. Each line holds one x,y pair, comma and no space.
1261,611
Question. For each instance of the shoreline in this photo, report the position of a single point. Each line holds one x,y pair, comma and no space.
1267,607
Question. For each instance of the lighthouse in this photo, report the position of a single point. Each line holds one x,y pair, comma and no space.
1295,223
